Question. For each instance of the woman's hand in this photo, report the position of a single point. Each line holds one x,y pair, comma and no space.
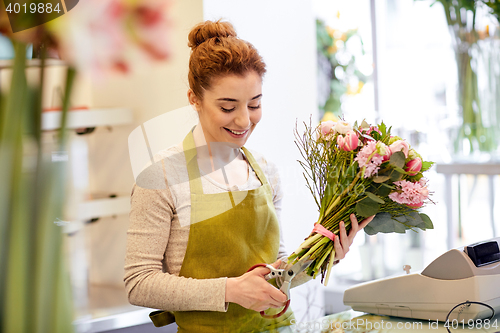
252,291
341,244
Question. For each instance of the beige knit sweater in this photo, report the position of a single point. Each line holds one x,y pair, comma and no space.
159,231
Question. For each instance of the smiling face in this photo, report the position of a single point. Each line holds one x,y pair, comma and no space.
231,108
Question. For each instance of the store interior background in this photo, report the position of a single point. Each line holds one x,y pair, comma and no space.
416,95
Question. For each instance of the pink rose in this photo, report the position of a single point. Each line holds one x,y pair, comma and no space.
413,167
400,145
348,142
326,127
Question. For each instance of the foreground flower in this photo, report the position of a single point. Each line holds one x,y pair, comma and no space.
150,23
99,36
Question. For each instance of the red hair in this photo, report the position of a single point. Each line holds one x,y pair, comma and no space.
217,51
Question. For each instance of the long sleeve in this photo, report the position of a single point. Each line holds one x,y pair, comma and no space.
147,280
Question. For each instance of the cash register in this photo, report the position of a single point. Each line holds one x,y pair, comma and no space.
465,280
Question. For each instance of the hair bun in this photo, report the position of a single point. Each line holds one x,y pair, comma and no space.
209,29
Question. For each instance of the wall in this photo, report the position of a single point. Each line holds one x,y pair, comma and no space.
284,33
150,90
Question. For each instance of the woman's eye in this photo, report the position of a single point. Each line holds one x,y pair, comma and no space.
227,110
254,107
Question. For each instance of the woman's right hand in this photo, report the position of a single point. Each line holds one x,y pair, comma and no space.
252,291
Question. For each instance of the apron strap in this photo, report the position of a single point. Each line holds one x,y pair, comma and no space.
191,163
255,166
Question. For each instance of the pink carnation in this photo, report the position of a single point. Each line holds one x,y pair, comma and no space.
411,194
369,159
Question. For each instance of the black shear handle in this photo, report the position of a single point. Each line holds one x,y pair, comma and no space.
262,313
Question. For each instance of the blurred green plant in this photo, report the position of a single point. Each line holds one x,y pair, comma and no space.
339,64
479,131
35,292
94,38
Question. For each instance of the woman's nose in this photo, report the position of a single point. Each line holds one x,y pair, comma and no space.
243,118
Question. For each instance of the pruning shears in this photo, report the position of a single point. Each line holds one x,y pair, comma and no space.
284,279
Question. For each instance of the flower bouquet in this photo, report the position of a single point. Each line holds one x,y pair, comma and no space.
364,170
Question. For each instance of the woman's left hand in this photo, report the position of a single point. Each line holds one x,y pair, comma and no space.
341,244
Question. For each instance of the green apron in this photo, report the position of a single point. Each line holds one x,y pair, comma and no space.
229,233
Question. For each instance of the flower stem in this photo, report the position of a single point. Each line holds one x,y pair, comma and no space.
317,245
329,267
308,242
337,200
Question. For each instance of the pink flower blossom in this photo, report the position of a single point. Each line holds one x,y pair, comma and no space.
414,166
400,145
326,127
369,159
411,194
99,36
348,142
374,128
151,23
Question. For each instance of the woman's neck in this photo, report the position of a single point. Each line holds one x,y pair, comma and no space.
217,154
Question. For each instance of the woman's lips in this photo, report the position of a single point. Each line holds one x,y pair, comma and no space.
236,134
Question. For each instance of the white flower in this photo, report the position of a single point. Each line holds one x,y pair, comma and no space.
382,149
412,154
342,127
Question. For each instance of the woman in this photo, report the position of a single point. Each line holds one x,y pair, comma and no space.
190,246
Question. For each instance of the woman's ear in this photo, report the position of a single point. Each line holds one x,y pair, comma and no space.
193,100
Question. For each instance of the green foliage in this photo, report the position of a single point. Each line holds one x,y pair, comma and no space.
383,129
427,220
397,160
476,133
374,198
383,222
426,165
408,220
34,286
367,207
329,43
381,179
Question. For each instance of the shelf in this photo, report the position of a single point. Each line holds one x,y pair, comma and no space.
109,310
87,118
103,207
7,63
